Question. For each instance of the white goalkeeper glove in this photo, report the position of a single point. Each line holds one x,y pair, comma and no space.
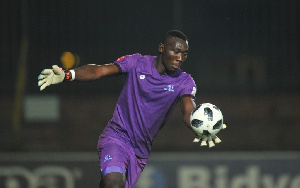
211,139
55,75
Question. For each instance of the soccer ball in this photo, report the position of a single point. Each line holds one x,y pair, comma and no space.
206,119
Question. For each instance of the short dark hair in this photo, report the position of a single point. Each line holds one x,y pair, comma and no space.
175,33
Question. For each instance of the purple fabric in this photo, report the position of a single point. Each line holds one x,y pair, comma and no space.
146,102
113,169
116,156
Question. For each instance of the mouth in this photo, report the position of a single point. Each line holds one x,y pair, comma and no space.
176,66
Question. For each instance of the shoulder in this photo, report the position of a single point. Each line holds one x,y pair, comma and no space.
136,57
144,58
188,85
128,62
186,77
187,80
129,57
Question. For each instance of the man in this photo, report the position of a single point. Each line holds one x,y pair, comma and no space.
154,84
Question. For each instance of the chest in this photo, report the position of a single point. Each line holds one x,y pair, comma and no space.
153,87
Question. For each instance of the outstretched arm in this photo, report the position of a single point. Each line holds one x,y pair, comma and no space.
93,72
85,73
187,106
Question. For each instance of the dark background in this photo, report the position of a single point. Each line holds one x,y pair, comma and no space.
244,57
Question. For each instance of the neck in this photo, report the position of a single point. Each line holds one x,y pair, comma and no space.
159,65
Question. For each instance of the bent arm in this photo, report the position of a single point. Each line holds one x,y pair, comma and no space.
187,106
93,72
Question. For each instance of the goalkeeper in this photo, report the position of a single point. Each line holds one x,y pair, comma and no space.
154,84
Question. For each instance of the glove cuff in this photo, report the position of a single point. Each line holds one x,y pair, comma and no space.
73,75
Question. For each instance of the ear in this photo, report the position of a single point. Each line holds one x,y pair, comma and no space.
161,48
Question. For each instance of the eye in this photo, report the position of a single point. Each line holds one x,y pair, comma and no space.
176,51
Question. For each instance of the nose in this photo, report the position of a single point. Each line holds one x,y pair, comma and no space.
180,57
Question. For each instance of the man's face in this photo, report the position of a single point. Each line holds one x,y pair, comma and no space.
174,52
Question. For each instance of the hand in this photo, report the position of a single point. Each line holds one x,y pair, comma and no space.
212,139
50,76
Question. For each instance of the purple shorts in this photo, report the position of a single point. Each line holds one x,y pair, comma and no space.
116,156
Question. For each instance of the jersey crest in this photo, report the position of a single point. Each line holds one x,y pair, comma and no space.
169,88
107,157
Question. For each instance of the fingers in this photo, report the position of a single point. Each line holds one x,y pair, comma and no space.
41,82
44,74
44,79
44,83
197,139
43,86
57,70
203,141
216,139
210,140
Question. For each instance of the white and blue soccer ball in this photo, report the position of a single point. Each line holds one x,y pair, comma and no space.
206,119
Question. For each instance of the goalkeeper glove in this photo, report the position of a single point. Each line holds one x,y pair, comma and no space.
55,75
211,139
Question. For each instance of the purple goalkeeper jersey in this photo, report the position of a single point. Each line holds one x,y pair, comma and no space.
146,101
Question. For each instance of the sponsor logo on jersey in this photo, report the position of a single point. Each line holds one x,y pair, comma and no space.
107,157
169,88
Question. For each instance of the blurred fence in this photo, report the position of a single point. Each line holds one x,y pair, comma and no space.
164,170
73,123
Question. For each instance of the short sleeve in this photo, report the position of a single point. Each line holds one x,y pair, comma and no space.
189,89
126,63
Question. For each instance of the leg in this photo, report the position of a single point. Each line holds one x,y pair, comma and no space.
113,180
113,163
119,165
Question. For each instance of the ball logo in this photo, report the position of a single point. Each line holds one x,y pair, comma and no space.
218,125
209,113
197,123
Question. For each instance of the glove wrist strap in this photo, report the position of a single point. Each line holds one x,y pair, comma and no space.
69,76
